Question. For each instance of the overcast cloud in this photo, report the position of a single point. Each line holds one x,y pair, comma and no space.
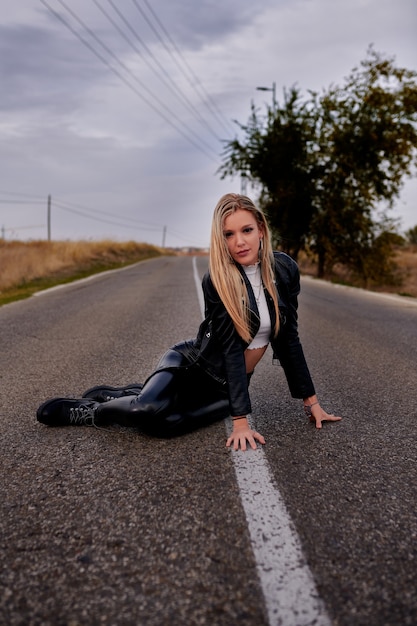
127,152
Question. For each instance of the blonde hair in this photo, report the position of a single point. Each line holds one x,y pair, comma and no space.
224,273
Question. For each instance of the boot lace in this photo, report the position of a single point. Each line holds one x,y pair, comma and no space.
82,414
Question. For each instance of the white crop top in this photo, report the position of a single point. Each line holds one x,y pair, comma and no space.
261,339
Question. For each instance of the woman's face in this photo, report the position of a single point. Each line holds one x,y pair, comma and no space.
242,234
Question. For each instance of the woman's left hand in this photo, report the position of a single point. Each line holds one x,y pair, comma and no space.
241,434
319,415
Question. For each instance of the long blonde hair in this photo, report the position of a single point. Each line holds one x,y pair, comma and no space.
224,273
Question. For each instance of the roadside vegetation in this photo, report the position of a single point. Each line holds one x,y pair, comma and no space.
401,280
323,165
27,267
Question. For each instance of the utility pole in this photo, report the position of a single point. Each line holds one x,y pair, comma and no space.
243,184
164,232
273,89
49,217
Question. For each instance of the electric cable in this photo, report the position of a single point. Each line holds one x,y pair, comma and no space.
19,193
71,205
103,219
129,225
21,202
192,78
168,81
128,70
123,78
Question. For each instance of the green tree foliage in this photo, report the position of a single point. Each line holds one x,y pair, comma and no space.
276,156
368,141
326,165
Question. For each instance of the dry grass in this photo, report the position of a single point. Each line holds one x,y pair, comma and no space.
26,267
405,274
406,260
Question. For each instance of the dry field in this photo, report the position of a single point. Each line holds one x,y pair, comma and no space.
405,274
407,263
26,267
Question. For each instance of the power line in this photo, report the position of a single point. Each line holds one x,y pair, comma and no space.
31,199
70,205
191,77
168,81
100,216
103,219
80,210
154,228
20,202
128,70
183,237
19,193
123,78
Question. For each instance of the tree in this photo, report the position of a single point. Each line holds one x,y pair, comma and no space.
276,157
368,140
325,165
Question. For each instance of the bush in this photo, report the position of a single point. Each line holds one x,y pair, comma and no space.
411,235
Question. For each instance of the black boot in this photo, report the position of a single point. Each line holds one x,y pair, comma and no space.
104,393
67,412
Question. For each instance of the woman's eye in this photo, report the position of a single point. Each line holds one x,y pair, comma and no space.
227,235
249,229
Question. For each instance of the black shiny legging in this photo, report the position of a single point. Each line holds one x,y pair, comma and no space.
177,398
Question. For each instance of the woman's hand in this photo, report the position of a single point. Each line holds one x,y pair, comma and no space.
316,414
242,433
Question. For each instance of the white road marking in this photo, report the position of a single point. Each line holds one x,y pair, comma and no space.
288,586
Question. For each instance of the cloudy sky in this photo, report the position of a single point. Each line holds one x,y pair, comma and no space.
118,109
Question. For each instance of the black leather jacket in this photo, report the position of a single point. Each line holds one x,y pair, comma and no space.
219,349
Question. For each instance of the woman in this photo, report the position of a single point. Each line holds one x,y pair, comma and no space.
250,301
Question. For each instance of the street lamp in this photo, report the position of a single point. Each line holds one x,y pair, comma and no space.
273,89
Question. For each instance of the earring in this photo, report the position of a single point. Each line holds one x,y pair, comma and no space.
261,247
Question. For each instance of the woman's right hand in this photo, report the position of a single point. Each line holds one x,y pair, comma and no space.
242,434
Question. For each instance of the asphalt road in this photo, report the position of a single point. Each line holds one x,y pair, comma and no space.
109,527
